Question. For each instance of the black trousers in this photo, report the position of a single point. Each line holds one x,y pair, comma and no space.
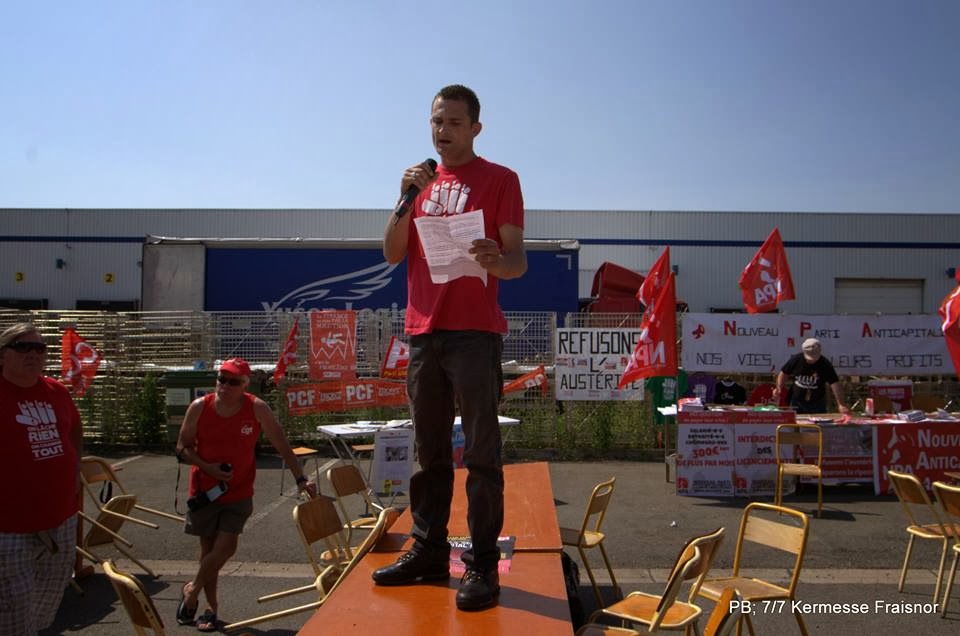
449,369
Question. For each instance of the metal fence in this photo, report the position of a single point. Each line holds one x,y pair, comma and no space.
142,351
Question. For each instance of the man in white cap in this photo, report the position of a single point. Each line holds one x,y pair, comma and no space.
812,374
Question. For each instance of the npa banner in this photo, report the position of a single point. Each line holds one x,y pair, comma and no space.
923,449
333,345
343,396
590,361
856,345
766,280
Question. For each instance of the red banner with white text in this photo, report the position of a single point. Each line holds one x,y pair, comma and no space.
333,345
324,397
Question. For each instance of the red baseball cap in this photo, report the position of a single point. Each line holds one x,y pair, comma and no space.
236,366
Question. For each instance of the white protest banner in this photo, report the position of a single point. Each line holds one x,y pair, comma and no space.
590,361
856,345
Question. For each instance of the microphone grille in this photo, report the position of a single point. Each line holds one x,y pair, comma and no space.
431,162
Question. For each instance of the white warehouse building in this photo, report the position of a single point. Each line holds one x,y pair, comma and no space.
841,263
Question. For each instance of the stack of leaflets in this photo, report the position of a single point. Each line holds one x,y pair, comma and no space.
690,404
912,415
458,545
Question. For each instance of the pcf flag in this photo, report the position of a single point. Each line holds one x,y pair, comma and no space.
395,362
653,283
656,353
79,361
950,312
766,279
289,354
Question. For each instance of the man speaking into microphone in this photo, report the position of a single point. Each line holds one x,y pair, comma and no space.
456,332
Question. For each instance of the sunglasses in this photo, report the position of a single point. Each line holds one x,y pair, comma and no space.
23,346
222,379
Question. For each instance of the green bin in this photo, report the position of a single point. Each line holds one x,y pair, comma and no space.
183,387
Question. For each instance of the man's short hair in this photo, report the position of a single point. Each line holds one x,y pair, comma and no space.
461,93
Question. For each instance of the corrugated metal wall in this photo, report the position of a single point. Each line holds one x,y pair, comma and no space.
709,249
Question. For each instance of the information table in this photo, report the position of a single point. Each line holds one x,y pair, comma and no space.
727,453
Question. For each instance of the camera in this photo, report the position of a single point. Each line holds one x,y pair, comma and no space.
203,498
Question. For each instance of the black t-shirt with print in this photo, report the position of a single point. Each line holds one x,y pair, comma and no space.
810,380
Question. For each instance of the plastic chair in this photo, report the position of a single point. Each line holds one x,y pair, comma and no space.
348,481
303,454
925,522
664,611
948,497
96,470
140,608
589,535
325,583
804,436
760,524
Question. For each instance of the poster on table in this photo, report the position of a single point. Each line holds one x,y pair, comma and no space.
728,453
590,361
924,449
333,345
755,435
900,392
705,454
392,461
856,345
847,454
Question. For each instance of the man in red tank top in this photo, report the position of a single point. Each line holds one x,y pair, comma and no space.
218,438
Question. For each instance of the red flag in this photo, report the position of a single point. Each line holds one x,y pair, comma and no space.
395,362
289,354
950,312
79,361
537,377
653,283
656,353
766,279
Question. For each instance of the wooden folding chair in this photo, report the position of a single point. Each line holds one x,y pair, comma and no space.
663,611
317,521
348,481
804,437
925,522
723,619
104,530
96,470
589,535
948,497
140,608
761,524
325,585
303,455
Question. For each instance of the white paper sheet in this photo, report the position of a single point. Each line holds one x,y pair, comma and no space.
446,243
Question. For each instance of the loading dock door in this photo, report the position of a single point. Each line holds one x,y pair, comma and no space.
878,295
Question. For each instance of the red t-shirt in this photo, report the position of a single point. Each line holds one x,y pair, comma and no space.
39,464
464,303
230,440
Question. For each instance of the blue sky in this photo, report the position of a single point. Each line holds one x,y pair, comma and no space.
812,105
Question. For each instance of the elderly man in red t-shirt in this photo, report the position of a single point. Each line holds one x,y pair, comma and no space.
456,332
218,437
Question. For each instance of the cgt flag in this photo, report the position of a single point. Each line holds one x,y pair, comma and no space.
656,353
766,279
289,354
79,361
653,283
950,312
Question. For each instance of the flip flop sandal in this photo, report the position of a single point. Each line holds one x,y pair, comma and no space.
185,614
207,622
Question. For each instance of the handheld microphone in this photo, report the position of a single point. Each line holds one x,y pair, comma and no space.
403,205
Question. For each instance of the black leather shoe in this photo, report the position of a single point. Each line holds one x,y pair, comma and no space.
478,590
410,567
